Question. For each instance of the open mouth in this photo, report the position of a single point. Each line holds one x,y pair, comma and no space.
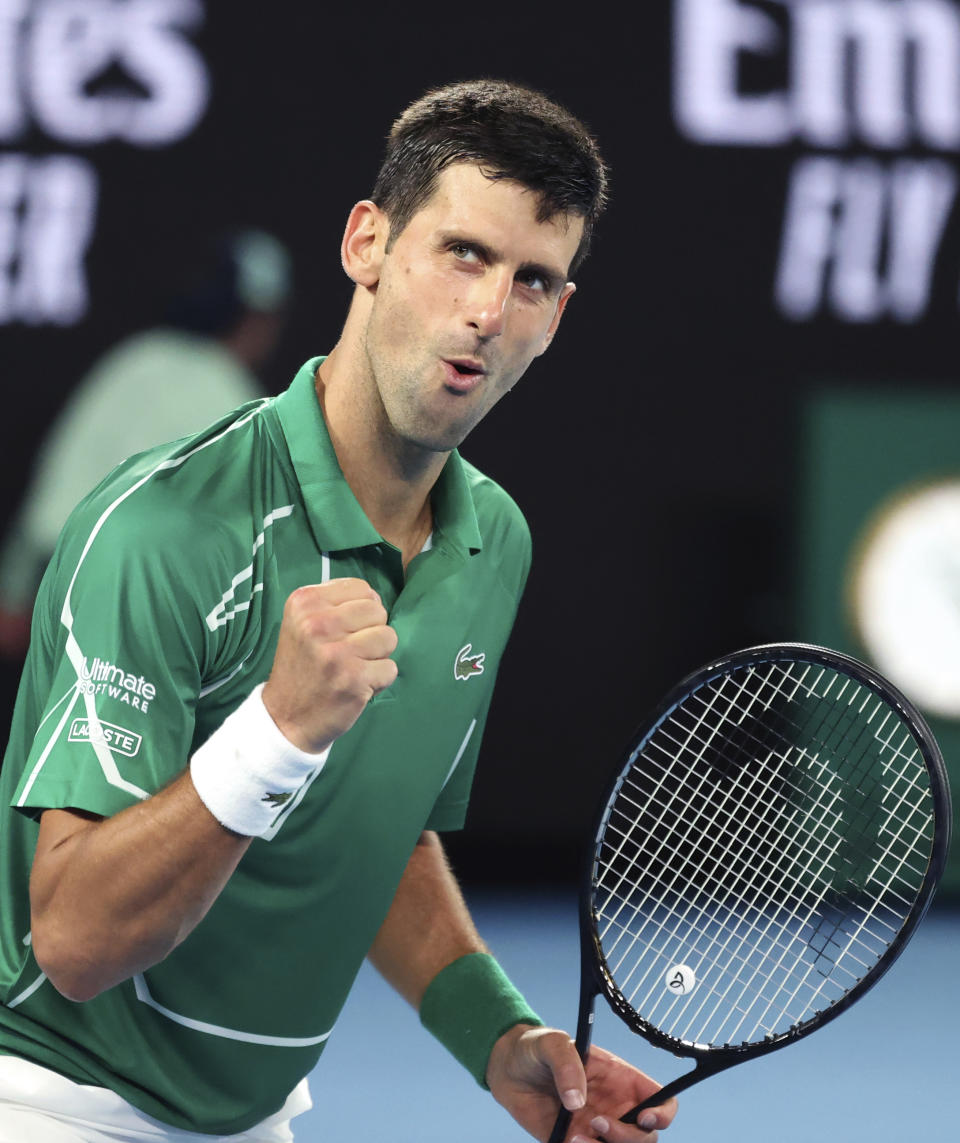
465,370
462,375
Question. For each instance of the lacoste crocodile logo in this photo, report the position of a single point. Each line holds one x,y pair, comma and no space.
465,665
277,799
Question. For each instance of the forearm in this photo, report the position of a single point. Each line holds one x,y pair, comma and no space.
111,897
428,930
428,925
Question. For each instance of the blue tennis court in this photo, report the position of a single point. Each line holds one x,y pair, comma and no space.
883,1070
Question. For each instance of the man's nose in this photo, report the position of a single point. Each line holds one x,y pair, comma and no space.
488,303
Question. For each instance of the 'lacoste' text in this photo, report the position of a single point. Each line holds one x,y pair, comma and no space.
115,738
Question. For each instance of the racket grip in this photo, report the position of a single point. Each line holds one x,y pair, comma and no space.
560,1126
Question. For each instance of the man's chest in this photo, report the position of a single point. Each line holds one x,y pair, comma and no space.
452,620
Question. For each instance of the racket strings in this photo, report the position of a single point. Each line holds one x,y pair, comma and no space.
756,872
821,822
689,803
690,740
731,948
678,745
866,827
784,889
705,874
867,737
732,954
674,745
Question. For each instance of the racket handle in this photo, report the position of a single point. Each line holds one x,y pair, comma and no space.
660,1096
560,1126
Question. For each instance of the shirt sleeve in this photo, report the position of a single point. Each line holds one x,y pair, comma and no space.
119,663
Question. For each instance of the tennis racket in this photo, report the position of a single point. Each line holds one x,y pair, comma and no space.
761,858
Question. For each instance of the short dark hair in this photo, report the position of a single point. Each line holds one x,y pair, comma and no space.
511,132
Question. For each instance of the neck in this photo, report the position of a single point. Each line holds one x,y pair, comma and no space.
391,479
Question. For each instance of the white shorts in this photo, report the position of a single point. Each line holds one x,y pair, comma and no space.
38,1105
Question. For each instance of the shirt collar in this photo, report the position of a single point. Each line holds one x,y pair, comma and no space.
336,518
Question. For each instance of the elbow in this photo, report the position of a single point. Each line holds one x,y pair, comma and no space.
70,974
74,988
81,966
75,971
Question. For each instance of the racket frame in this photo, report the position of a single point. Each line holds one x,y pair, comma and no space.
595,977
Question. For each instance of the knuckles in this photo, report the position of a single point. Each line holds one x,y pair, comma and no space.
332,592
320,624
334,609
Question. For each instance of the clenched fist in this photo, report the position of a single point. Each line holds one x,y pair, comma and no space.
333,656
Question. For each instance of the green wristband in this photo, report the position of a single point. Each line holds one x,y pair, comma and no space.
469,1005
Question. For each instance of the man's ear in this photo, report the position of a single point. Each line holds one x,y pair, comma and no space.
364,243
565,295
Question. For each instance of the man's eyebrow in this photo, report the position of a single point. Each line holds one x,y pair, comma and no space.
553,278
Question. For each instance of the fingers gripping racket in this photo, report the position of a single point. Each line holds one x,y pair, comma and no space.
761,858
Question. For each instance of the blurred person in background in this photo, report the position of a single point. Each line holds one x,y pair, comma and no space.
158,385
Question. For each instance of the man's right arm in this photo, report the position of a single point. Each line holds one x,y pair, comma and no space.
112,896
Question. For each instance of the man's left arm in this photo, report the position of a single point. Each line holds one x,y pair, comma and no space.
428,925
429,950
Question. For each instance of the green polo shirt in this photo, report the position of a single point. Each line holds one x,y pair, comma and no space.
158,614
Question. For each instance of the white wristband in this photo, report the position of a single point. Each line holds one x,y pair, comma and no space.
247,771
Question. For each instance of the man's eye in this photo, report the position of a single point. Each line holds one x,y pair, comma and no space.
463,252
533,281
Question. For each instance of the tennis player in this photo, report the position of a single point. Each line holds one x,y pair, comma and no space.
260,667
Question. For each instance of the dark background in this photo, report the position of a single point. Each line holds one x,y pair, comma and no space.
656,450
